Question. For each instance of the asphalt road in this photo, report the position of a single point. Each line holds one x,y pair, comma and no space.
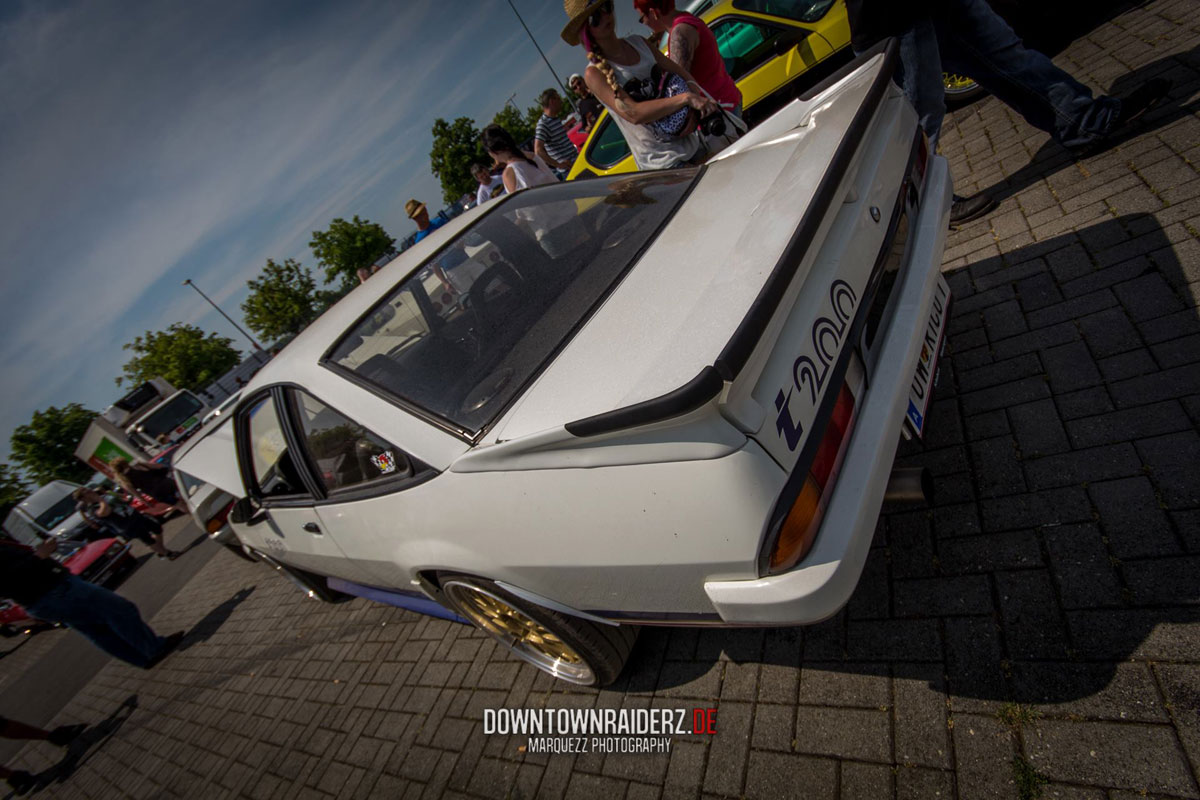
35,688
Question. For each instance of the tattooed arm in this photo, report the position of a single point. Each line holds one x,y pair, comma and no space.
682,44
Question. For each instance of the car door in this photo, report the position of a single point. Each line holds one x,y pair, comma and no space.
287,527
763,55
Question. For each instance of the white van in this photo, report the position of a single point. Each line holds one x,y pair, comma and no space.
50,511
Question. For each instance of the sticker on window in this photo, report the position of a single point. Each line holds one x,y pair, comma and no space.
385,461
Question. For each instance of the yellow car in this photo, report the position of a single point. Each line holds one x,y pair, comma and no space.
773,49
767,45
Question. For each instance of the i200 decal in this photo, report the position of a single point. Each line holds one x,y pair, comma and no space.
812,371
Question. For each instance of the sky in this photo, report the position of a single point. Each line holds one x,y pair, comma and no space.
145,143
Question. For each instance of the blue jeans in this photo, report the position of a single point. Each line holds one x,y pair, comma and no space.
971,39
108,620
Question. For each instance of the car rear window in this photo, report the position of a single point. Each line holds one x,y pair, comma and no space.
461,336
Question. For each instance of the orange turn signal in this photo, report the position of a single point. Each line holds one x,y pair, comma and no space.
799,528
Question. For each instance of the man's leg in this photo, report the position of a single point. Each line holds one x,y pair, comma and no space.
976,42
111,622
920,76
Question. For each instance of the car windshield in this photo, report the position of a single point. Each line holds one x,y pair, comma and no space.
170,415
462,335
56,513
19,528
799,10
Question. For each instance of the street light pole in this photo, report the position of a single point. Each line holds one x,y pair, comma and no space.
188,282
566,96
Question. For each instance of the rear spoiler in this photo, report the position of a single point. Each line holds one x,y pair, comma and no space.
709,382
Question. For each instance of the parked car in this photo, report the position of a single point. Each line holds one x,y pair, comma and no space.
773,51
667,398
50,511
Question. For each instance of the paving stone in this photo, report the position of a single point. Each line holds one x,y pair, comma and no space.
865,781
1172,461
944,596
987,425
906,640
845,684
1137,757
727,752
1128,425
997,467
919,717
1038,430
1054,506
973,663
1180,684
856,733
685,771
1083,466
1164,581
1083,571
1109,331
1118,692
986,553
1084,403
917,783
1029,610
774,776
1121,634
983,750
1129,364
1156,387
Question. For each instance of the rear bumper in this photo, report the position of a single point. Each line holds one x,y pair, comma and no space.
101,573
824,581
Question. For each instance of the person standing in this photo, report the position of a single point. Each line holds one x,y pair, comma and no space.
489,185
968,38
417,212
692,46
48,591
619,62
118,519
152,480
550,140
589,107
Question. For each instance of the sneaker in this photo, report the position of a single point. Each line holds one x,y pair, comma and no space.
21,782
63,735
169,645
965,209
170,555
1139,101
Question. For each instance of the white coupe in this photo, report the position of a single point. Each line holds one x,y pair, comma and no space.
666,398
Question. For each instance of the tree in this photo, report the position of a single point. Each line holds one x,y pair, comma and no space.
13,489
347,246
455,146
512,120
45,448
283,300
182,354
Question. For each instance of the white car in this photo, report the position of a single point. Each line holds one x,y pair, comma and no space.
666,398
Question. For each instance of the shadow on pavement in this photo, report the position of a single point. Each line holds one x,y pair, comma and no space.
91,740
1180,69
1061,545
214,619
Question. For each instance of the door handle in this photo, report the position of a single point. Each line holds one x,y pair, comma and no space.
312,527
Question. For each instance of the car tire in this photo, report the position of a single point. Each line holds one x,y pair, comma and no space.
575,650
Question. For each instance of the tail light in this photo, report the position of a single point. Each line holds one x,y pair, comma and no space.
798,530
216,523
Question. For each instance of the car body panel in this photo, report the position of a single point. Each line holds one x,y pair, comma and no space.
661,516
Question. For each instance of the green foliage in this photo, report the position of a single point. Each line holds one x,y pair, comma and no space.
1029,781
1015,715
182,354
45,448
455,146
283,300
13,489
516,123
346,246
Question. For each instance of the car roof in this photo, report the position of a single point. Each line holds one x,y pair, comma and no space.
46,496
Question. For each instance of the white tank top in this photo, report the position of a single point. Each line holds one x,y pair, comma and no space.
648,152
534,174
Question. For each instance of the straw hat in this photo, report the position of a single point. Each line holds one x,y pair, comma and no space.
578,11
413,207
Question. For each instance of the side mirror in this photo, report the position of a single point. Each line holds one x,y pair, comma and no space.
246,512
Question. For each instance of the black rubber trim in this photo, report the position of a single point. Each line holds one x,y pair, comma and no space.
737,351
693,394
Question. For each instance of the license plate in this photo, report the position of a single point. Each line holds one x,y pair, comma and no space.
934,342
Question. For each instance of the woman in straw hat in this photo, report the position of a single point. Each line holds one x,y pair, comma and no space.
620,63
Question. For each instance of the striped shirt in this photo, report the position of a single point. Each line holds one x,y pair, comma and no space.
550,132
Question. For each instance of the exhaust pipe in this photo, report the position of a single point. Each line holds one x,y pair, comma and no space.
910,485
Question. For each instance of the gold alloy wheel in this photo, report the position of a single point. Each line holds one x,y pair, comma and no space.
525,636
958,84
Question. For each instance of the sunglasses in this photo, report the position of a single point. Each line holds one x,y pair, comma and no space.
600,13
